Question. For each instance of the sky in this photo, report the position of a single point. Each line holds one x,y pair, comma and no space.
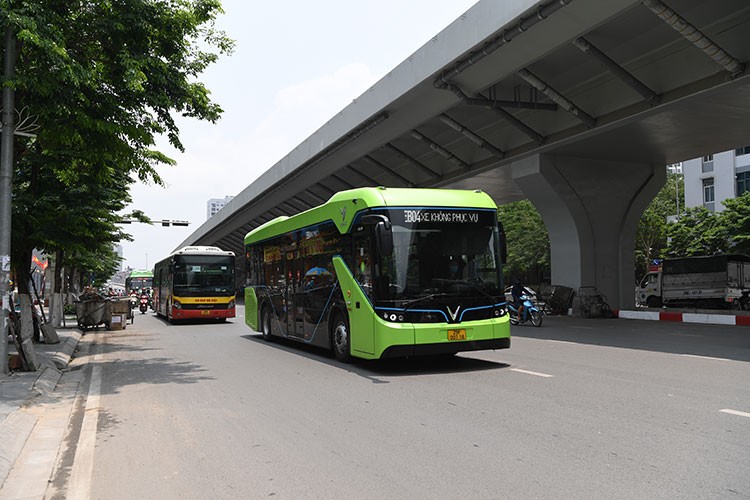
295,65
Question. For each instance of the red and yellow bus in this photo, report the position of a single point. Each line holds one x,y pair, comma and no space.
195,282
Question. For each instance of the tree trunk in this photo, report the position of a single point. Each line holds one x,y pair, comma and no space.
57,305
23,277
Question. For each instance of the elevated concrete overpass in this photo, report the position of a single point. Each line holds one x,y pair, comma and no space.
577,105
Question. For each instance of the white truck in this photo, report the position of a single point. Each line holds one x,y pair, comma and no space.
717,282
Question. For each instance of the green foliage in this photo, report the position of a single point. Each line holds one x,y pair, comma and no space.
697,232
102,80
651,236
99,265
736,217
701,232
528,242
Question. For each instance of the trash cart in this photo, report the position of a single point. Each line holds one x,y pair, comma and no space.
123,307
91,313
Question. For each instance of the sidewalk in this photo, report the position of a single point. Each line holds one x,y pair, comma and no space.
24,396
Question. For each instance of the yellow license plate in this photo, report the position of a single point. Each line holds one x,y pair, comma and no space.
205,313
457,334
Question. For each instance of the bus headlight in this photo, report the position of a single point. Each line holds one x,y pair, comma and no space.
389,316
231,304
176,304
498,312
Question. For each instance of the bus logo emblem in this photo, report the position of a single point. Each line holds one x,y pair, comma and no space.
452,314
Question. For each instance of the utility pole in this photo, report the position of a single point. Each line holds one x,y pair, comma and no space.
6,184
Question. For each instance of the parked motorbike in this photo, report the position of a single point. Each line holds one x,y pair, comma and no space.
144,300
529,312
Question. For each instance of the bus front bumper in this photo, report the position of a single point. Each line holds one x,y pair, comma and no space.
405,351
202,313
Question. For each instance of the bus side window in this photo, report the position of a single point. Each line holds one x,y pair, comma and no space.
362,259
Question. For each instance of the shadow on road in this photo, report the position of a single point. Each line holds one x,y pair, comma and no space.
719,341
128,364
420,365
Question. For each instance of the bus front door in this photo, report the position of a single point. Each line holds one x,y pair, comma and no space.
294,301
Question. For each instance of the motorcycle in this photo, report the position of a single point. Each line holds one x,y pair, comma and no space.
133,300
144,300
529,312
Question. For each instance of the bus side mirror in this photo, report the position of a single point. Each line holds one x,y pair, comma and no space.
384,238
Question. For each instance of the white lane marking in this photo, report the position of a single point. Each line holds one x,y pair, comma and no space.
79,485
736,412
557,341
704,357
527,372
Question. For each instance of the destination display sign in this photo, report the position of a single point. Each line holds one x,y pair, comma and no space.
441,216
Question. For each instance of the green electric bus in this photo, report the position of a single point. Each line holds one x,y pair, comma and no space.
381,272
139,280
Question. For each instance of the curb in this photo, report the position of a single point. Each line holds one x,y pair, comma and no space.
18,425
63,355
50,376
685,317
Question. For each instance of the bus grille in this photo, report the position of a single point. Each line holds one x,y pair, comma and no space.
193,307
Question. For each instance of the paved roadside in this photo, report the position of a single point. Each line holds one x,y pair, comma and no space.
34,412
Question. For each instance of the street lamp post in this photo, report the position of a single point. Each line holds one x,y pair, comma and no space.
6,183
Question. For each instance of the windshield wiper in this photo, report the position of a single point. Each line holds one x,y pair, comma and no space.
469,283
409,303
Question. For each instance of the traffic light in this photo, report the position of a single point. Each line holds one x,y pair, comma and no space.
164,222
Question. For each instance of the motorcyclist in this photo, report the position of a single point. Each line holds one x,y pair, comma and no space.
145,300
517,291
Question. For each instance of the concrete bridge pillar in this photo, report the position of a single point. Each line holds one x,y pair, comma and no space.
591,208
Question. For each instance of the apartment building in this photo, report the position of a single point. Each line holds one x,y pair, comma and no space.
215,204
716,177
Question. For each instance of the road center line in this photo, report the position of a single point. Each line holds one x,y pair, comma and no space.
736,412
527,372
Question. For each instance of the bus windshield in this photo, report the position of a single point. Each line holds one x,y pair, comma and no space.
440,253
141,282
203,275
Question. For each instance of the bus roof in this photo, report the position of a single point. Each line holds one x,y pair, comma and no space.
342,207
195,250
201,250
141,273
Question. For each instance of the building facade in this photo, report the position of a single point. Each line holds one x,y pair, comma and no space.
216,204
716,177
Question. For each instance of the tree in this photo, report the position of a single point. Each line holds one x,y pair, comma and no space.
102,79
528,242
697,232
651,236
736,217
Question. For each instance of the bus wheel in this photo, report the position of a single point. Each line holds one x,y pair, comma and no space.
265,324
340,341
